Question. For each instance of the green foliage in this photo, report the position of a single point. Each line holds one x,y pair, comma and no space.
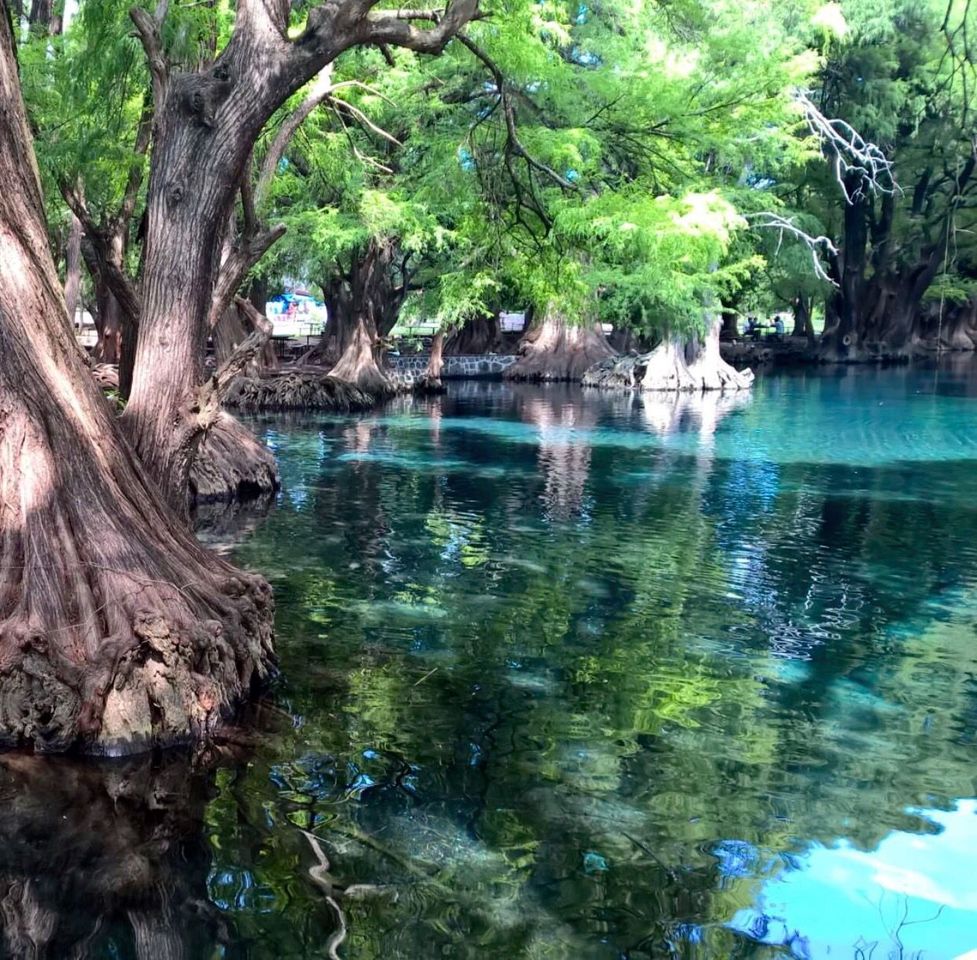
565,155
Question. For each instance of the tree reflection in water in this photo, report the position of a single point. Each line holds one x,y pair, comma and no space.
106,859
642,698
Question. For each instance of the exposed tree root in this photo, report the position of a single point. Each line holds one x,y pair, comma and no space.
358,365
674,365
298,390
232,464
557,350
118,632
708,369
666,368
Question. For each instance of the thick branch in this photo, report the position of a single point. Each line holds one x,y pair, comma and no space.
515,145
109,253
397,26
319,91
147,27
235,268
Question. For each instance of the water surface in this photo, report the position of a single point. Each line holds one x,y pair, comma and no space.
568,675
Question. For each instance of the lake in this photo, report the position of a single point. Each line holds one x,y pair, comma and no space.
570,675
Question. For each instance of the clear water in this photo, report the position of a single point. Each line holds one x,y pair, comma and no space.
574,676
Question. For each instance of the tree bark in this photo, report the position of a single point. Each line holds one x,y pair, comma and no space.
803,320
206,124
730,328
557,350
231,331
118,632
72,268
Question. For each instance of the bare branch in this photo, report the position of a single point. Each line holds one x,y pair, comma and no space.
397,27
364,120
855,159
786,226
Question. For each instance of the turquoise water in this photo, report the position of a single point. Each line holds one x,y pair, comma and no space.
580,676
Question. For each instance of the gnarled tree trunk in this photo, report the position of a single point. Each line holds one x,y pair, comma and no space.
557,350
338,296
206,123
118,632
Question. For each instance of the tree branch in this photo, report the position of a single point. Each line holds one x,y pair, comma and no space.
235,268
364,120
108,248
853,155
319,91
515,144
147,26
397,26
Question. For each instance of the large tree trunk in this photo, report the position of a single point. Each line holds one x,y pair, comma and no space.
947,326
840,340
557,350
361,362
118,632
705,363
677,364
803,320
337,295
205,124
479,335
430,380
117,330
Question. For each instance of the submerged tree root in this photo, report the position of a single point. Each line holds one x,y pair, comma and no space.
232,464
298,390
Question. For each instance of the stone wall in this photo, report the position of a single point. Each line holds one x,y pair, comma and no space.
407,369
